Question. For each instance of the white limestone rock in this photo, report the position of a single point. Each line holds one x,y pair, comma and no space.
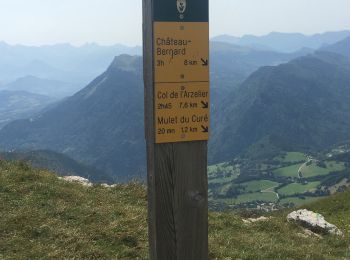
77,179
314,222
105,185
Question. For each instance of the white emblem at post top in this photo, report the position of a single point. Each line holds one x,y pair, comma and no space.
181,7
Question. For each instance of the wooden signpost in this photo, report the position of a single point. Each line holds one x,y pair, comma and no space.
177,119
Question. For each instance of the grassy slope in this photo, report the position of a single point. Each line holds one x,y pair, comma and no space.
289,171
298,188
309,171
43,217
314,170
298,201
292,157
227,173
256,186
247,197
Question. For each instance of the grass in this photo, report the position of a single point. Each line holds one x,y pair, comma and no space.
250,197
254,186
289,171
278,239
298,201
311,170
222,180
220,167
298,188
224,188
222,173
292,157
46,218
314,170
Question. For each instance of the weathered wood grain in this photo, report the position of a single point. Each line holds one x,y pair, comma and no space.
149,119
181,201
177,179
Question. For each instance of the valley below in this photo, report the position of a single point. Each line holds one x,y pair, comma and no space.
289,179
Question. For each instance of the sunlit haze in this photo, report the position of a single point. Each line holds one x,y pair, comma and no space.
37,22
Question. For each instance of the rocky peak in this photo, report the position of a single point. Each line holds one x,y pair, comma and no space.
126,63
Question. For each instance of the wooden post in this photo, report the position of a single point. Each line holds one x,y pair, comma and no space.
176,78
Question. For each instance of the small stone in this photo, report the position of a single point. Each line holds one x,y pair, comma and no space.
253,220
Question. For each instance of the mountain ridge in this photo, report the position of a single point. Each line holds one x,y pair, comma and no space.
16,105
278,100
91,119
110,109
53,88
286,42
99,99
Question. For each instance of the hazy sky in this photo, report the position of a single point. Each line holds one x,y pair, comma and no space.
37,22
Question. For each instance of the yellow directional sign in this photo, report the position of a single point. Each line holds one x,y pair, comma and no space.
182,111
181,51
181,69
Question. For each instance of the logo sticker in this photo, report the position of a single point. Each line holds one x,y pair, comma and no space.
181,7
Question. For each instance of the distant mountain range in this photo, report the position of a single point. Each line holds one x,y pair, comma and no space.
231,64
27,96
63,62
20,104
285,42
101,125
52,88
296,105
341,47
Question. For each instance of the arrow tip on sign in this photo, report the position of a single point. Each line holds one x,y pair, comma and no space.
204,62
205,104
205,129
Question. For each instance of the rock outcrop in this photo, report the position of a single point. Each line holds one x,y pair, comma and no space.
314,222
84,181
77,179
